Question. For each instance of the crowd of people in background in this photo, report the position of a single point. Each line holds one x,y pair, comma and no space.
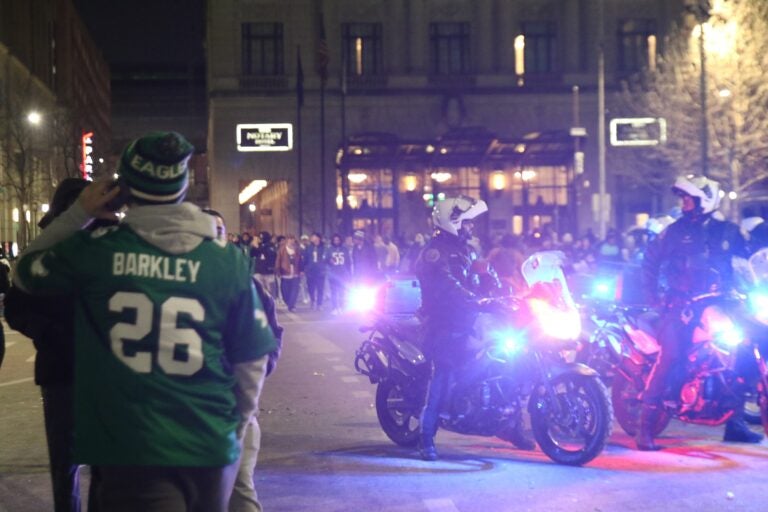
313,270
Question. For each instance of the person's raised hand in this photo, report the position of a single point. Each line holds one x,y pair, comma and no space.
94,198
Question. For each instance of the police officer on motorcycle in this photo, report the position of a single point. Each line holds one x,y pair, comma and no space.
449,304
687,258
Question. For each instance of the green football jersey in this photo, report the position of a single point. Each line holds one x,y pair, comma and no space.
156,336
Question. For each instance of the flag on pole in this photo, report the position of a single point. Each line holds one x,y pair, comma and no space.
322,55
299,79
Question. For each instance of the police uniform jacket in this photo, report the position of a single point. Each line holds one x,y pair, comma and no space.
692,256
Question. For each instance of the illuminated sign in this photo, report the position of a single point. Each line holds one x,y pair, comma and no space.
265,137
86,168
638,131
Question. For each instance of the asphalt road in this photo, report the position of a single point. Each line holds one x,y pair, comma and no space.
322,450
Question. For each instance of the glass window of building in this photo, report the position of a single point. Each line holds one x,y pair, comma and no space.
537,45
637,45
449,48
362,48
262,49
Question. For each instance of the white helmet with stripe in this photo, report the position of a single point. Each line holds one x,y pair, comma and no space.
707,191
449,213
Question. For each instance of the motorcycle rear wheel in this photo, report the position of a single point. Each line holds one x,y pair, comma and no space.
573,431
626,407
398,412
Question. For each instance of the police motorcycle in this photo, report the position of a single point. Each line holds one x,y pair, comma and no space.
519,345
725,326
614,332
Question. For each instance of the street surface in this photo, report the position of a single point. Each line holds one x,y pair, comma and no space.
322,450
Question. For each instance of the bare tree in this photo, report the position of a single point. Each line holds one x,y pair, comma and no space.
63,139
27,168
736,56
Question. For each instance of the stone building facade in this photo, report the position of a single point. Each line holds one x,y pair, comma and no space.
393,103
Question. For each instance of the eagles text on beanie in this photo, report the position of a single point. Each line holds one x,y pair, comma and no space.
155,167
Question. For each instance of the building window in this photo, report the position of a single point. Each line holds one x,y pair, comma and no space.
262,48
535,48
449,48
637,45
362,48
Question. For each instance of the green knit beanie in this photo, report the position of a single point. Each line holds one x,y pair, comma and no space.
155,167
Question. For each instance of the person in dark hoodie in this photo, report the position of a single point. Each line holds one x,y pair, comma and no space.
264,256
48,321
314,267
171,342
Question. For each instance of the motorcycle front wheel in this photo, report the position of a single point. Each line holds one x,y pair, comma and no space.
752,413
626,406
574,429
398,410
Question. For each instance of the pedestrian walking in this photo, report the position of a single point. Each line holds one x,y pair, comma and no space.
288,265
264,255
314,267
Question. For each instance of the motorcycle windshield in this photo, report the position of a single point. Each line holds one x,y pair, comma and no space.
547,267
758,265
758,295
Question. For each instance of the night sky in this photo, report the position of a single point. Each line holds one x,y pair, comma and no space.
146,34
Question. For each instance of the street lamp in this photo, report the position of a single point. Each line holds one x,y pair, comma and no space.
700,10
34,118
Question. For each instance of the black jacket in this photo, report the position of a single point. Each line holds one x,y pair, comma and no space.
692,256
263,258
448,302
49,321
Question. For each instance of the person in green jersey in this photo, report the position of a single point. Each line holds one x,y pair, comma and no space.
171,340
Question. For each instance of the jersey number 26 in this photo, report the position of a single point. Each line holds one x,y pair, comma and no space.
170,338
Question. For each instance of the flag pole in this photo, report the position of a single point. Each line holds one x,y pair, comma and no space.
323,184
299,104
346,213
321,64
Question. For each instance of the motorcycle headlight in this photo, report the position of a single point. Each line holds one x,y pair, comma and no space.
561,324
604,289
716,326
727,334
509,342
758,305
362,299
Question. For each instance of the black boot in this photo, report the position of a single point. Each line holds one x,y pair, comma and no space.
649,414
737,430
427,448
515,434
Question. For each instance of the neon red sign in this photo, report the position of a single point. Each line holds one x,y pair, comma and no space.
87,148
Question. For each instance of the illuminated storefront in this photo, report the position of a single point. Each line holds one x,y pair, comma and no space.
390,184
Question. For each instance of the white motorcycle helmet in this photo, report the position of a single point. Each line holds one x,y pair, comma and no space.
707,191
448,214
